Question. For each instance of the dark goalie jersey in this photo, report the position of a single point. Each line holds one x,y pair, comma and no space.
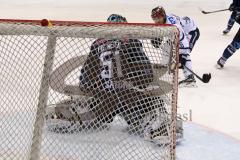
111,63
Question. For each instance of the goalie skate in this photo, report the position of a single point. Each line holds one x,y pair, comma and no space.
159,134
220,63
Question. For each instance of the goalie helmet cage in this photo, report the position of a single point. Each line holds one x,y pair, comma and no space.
39,73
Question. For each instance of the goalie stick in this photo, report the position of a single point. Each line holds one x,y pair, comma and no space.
205,78
209,12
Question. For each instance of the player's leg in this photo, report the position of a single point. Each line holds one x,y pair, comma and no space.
151,120
146,116
132,108
64,116
185,60
84,114
231,22
157,129
105,107
193,37
189,79
139,113
229,51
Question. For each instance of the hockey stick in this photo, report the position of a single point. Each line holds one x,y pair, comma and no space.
208,12
205,78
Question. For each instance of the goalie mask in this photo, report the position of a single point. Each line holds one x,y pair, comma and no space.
159,15
116,18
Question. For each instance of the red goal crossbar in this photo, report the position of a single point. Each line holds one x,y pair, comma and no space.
74,23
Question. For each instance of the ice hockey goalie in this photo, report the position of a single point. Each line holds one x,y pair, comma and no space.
116,75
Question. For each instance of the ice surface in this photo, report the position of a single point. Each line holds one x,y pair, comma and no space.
203,143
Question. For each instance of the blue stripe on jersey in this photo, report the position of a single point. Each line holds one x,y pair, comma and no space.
171,19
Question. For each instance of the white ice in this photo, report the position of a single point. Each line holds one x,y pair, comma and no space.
203,143
215,104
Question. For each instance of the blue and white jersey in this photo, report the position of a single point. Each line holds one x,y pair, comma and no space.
187,23
114,61
172,19
184,42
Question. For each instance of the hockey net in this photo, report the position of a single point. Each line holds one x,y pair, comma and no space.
80,91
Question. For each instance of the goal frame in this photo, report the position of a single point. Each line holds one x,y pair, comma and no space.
48,64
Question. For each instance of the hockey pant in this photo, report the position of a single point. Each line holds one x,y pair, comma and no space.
193,37
184,51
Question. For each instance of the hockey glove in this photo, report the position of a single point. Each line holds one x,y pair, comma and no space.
231,7
182,60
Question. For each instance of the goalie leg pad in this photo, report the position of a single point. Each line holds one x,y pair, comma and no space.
139,115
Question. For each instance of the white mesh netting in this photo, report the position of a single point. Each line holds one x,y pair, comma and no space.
88,92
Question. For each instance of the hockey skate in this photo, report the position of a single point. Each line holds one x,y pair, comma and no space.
160,136
188,82
158,130
226,31
220,63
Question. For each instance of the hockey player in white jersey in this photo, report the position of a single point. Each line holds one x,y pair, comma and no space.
190,28
189,34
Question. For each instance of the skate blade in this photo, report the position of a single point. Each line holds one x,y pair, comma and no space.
163,141
188,85
218,66
179,138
